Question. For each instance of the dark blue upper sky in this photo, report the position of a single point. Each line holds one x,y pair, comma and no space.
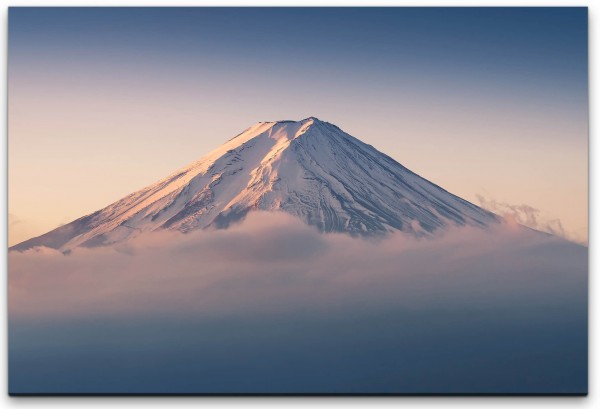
524,44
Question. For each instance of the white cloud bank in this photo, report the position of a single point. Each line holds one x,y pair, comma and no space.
273,306
274,264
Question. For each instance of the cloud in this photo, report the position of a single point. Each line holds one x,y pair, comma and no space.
527,216
273,306
273,262
13,220
19,229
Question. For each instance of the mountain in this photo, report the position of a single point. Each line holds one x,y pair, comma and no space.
310,169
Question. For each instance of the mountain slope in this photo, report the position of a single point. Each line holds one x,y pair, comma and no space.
310,169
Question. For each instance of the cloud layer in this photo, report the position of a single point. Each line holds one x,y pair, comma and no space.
273,306
274,262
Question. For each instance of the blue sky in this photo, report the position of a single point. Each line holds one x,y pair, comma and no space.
453,93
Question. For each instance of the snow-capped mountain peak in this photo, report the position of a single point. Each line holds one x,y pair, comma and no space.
309,168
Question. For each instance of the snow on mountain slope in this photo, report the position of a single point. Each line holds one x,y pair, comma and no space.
310,169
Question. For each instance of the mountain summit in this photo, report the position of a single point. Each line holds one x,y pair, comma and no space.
310,169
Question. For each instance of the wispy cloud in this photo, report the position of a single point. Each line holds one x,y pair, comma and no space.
13,220
528,216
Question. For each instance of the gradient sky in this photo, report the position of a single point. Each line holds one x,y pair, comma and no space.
104,101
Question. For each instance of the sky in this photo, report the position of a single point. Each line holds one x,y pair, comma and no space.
491,104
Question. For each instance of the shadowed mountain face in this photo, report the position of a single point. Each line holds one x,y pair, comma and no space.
310,169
